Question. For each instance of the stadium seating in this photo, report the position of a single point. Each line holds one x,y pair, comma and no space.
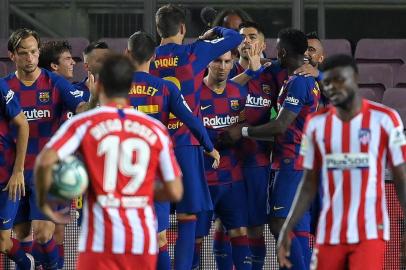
3,69
336,46
270,50
78,45
370,94
400,77
118,45
376,76
395,98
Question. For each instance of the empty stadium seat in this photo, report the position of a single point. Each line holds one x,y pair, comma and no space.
3,69
118,45
391,51
375,76
3,48
336,46
370,94
400,77
395,98
270,50
78,45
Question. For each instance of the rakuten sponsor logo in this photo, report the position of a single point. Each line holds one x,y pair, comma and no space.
35,114
219,122
257,102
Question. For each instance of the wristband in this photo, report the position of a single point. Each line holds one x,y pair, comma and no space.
244,131
254,74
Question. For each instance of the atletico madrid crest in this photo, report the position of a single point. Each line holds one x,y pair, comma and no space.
235,105
44,97
364,136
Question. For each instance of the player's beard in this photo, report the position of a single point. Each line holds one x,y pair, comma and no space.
29,70
346,103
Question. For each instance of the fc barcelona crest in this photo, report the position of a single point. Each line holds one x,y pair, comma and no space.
364,136
266,88
44,97
235,105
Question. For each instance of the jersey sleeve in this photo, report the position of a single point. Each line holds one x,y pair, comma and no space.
297,95
68,137
309,158
397,142
208,50
71,97
9,101
181,110
168,166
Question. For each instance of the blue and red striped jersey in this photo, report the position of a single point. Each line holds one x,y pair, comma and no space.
185,65
83,91
220,111
42,103
300,95
162,100
10,108
262,97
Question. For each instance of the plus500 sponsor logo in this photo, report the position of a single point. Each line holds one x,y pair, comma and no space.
347,161
257,102
36,114
219,122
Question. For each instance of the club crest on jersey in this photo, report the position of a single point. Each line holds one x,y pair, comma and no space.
364,136
44,96
266,88
235,104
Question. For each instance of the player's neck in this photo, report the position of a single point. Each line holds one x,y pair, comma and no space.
293,64
143,67
24,76
214,85
243,62
349,110
174,39
118,100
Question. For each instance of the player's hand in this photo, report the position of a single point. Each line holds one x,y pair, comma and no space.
15,186
216,156
208,35
283,249
58,216
307,70
254,56
234,132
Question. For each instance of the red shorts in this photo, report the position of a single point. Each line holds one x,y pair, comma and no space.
367,254
103,261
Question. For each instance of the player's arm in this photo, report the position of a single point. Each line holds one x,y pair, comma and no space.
171,190
305,194
182,111
254,69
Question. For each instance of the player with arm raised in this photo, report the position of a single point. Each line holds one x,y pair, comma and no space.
124,151
185,66
348,144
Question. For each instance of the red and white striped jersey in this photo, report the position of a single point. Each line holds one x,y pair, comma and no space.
351,157
124,151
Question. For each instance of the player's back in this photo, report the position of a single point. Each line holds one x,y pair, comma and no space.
122,150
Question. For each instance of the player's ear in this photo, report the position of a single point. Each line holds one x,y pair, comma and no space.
54,67
153,58
182,29
11,56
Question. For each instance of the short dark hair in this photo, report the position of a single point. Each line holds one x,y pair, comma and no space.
18,35
219,20
168,19
95,45
116,75
312,35
251,24
51,51
339,60
294,40
141,47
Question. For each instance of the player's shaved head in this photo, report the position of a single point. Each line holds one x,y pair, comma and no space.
339,60
141,47
94,54
315,51
116,74
169,19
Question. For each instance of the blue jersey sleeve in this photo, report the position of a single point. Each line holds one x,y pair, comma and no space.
71,97
9,102
208,50
297,94
181,110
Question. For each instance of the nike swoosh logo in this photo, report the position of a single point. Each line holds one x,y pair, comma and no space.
275,208
204,107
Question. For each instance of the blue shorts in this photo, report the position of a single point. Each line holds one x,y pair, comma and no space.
203,223
162,211
230,204
282,194
196,196
256,184
8,209
28,209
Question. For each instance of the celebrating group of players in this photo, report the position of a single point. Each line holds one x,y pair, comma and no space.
225,121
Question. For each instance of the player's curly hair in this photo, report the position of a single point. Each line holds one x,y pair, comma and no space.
293,40
51,51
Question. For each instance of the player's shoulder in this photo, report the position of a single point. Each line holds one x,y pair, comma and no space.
144,118
383,110
233,87
320,114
